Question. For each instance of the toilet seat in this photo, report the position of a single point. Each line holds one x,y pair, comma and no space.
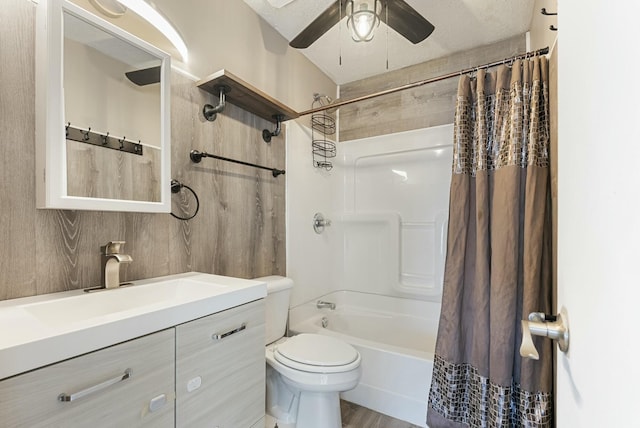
317,353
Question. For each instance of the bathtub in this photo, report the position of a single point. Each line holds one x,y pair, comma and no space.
396,339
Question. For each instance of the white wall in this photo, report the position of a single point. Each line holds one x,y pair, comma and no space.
228,34
99,95
598,192
313,259
540,34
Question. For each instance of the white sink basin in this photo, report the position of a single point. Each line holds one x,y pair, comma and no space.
44,329
115,302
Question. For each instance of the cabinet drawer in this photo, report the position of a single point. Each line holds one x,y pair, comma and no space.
220,369
99,392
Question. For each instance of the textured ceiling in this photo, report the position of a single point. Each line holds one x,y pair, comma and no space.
460,25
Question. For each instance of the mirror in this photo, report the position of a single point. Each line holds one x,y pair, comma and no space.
102,115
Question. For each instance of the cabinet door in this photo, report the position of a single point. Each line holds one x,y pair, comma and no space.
101,393
220,369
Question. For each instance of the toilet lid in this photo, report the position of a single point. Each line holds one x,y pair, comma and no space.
317,352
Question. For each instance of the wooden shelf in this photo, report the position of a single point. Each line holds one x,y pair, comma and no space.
246,96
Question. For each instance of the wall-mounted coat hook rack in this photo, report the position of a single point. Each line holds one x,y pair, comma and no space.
88,136
545,13
266,134
210,112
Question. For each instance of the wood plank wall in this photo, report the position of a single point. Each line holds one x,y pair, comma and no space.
239,231
421,107
96,172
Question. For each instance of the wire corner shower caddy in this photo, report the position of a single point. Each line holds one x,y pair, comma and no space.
323,124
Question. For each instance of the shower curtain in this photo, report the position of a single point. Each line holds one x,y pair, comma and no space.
498,265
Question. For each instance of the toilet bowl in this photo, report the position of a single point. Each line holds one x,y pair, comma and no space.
306,372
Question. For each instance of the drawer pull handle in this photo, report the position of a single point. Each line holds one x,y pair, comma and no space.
220,336
92,389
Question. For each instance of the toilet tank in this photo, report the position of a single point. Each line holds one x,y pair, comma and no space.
276,306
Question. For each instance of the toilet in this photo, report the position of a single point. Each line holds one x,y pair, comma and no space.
306,372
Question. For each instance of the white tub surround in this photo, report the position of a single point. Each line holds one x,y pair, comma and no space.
394,221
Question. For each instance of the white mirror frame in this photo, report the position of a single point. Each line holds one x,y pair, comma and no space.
51,158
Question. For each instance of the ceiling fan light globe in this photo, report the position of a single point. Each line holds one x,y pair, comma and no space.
362,20
363,23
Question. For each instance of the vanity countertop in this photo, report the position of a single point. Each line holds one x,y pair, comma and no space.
44,329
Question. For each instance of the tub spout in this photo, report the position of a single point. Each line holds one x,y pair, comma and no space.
320,304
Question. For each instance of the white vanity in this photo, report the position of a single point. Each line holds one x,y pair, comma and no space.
184,350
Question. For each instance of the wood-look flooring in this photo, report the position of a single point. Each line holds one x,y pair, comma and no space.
355,416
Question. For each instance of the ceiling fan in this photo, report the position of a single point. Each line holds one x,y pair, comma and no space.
397,14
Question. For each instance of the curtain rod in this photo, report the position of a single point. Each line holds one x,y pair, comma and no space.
337,104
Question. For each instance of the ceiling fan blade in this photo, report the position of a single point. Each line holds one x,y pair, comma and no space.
145,76
322,24
406,21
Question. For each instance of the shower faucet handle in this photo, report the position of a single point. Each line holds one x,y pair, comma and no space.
320,222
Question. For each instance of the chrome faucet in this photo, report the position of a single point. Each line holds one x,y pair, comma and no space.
111,260
322,304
